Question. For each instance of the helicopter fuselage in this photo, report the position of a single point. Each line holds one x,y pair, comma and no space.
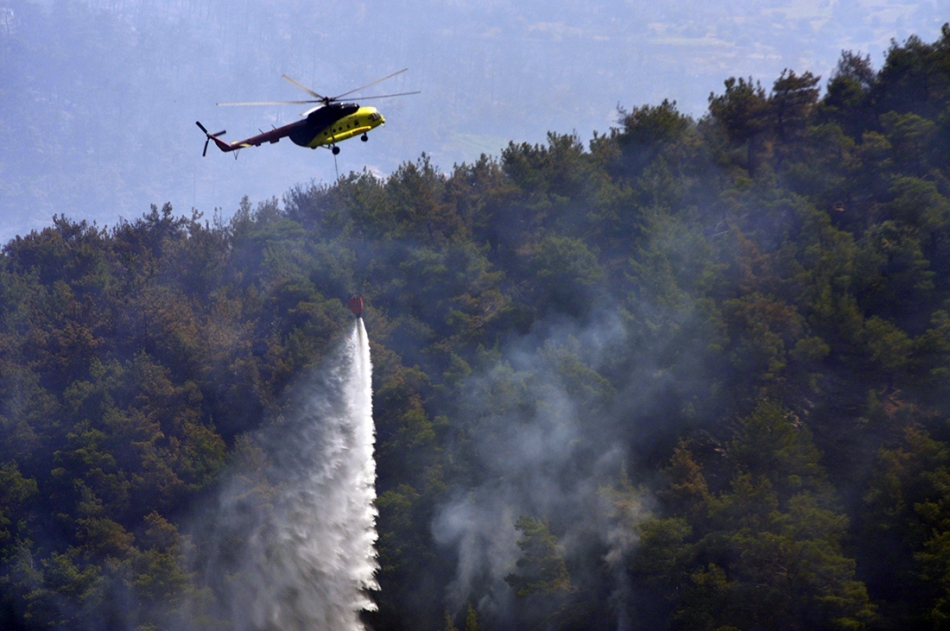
324,126
349,120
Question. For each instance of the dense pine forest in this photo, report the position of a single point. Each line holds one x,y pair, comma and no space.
689,374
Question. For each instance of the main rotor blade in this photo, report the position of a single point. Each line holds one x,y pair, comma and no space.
270,103
304,88
386,96
363,87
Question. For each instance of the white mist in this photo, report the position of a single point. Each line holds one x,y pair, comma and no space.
310,560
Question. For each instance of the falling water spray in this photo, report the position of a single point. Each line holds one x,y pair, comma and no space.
305,557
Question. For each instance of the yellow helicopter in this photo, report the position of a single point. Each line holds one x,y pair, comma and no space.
324,125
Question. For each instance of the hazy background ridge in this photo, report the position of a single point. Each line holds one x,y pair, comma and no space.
98,99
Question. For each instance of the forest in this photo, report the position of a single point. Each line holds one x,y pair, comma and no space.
686,374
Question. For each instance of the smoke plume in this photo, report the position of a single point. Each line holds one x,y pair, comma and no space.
541,430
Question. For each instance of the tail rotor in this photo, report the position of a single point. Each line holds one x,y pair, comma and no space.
208,137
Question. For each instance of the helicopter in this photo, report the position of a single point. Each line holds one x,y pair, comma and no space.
327,123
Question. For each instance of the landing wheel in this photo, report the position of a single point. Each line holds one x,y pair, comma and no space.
335,150
364,137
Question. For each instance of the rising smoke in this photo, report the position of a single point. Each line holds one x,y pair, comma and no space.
543,430
293,541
